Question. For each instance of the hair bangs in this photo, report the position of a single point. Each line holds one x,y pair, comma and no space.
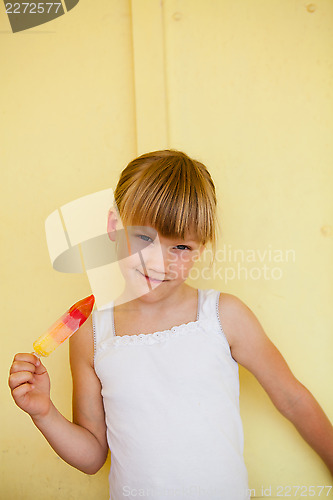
170,192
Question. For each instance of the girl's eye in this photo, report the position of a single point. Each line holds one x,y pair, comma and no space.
185,247
144,237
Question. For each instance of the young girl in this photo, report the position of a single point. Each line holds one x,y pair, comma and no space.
155,375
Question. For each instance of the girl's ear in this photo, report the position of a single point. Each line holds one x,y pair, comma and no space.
112,224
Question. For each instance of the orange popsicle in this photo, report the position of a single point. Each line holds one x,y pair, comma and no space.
64,327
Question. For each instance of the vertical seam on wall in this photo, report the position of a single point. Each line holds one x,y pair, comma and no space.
62,220
165,76
133,79
148,41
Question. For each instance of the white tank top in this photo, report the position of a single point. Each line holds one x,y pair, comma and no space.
171,401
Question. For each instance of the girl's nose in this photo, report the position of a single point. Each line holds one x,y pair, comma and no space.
155,261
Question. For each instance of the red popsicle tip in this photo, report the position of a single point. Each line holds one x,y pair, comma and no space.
84,306
90,300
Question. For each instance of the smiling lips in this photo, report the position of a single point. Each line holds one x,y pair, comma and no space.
148,278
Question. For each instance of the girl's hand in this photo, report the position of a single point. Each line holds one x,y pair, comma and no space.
30,385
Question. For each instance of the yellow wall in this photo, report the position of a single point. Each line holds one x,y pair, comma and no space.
244,86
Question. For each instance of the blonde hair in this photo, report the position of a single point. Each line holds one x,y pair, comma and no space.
170,192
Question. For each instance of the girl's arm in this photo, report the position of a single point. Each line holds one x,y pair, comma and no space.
81,443
251,348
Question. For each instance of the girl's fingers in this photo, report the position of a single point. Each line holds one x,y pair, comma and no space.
25,362
20,378
22,366
40,369
27,357
20,391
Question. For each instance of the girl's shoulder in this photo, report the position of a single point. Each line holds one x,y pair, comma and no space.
234,315
231,303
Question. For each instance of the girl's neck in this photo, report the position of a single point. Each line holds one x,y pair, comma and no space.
152,305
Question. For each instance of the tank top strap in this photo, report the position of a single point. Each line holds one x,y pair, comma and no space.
208,305
209,312
102,324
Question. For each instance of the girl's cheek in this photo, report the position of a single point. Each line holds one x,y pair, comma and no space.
173,272
179,270
129,263
171,257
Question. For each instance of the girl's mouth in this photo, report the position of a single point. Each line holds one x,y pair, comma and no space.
152,280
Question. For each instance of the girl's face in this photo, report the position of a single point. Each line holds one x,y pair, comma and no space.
150,262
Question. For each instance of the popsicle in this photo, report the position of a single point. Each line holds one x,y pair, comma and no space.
64,327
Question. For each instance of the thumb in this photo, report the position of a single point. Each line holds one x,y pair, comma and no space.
40,368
